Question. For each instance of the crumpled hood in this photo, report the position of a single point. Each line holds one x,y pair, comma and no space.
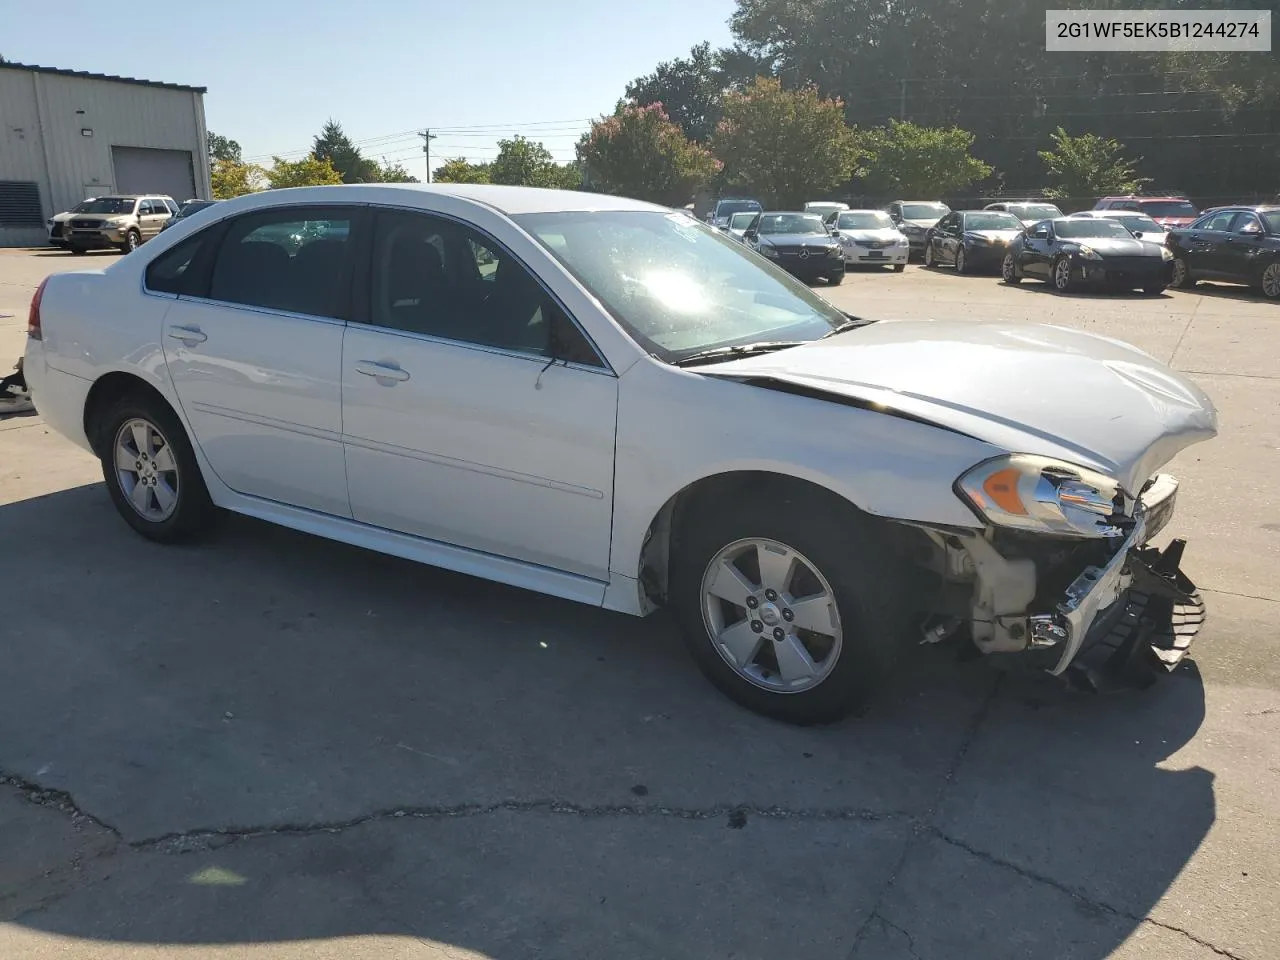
1027,388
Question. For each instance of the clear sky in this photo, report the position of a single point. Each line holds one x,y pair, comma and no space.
473,72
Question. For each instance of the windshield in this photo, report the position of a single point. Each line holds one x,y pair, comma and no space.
740,221
727,208
1137,221
791,223
109,205
1034,211
995,220
678,286
924,211
1168,208
1091,228
868,220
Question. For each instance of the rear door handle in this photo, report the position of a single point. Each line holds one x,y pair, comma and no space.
188,335
381,371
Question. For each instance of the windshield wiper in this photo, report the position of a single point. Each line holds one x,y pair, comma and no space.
851,324
736,351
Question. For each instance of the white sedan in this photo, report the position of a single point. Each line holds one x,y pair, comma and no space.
609,402
869,238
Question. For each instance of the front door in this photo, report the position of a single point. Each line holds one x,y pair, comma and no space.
1205,254
1036,250
474,411
255,353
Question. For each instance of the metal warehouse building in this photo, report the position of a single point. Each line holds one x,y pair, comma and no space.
66,135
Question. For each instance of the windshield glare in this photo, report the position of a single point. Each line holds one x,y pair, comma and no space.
925,211
871,220
992,221
678,286
791,223
1169,208
1091,228
1034,211
109,205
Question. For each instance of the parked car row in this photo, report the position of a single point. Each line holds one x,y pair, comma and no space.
120,221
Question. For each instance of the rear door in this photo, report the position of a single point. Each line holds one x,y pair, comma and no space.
947,237
253,345
151,214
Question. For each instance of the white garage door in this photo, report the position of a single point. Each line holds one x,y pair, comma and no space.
142,170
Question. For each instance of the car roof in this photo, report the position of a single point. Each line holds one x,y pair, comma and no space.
1147,199
862,210
1107,214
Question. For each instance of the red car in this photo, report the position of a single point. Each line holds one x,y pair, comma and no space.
1169,212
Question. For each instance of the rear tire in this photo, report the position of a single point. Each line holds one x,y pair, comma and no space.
1269,282
151,471
842,578
1154,289
78,251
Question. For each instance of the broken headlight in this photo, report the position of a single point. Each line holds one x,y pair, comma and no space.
1043,495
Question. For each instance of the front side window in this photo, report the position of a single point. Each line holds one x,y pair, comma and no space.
293,260
1246,223
1272,221
145,208
1217,221
677,286
440,278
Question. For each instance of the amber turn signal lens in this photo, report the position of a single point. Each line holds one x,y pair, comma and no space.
1002,488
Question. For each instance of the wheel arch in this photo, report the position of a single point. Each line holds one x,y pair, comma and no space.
662,535
109,388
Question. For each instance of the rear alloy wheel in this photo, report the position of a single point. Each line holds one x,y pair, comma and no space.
961,258
789,614
1062,281
1009,270
1271,280
1181,274
150,470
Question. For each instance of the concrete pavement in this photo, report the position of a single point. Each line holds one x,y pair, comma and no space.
272,746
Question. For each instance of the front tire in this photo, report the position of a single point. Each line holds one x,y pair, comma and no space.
1182,274
790,615
961,260
899,267
1063,282
151,471
1154,289
929,261
836,279
132,240
1009,270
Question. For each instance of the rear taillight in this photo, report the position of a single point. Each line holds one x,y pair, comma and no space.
33,317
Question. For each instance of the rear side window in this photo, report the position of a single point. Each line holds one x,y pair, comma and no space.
294,260
172,271
1218,221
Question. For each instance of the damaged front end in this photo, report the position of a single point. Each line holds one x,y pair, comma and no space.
1096,605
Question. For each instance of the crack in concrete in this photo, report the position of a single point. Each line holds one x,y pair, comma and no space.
185,841
1075,894
59,800
889,924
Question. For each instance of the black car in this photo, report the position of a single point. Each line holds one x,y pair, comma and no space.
187,209
1072,252
800,243
970,240
1235,244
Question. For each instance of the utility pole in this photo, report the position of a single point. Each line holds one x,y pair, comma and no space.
902,102
427,136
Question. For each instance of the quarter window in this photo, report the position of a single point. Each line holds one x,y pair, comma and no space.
293,260
442,279
171,272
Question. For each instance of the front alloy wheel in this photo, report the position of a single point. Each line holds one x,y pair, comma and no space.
771,615
1062,275
1009,270
1271,280
132,241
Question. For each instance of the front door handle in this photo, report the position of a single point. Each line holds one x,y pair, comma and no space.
188,335
381,371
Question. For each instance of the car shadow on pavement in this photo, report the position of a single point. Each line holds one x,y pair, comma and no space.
1086,293
269,738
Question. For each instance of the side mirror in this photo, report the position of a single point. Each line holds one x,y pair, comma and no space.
751,234
1138,234
1041,234
835,232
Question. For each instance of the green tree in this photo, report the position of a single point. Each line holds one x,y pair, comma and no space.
687,90
222,148
458,170
906,160
638,152
395,173
1088,166
336,147
786,146
527,163
233,178
307,172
